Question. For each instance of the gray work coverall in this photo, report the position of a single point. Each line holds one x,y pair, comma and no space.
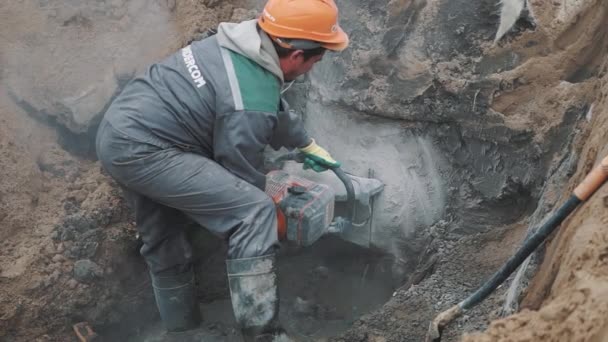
188,137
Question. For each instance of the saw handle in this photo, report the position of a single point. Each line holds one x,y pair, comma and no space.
350,194
593,181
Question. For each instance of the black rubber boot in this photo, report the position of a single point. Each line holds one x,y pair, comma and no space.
176,301
255,298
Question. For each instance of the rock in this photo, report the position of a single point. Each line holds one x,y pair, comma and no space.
49,248
79,195
67,88
83,249
72,283
35,284
47,163
70,206
67,235
55,266
241,14
377,339
303,306
79,223
86,270
75,186
87,103
58,258
67,268
44,338
91,187
54,276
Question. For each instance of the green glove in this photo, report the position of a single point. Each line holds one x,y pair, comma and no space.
317,158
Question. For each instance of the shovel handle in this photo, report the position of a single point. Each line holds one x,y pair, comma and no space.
593,181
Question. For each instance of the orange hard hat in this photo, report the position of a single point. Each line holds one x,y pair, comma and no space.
312,20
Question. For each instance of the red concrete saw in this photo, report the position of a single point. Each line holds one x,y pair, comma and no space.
305,209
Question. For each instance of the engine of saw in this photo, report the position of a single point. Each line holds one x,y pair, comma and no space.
305,209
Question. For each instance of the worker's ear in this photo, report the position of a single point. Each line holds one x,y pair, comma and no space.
296,55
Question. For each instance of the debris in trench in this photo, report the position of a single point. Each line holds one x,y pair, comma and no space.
86,270
79,245
84,332
509,13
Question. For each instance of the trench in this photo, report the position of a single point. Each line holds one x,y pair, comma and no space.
415,107
323,289
327,287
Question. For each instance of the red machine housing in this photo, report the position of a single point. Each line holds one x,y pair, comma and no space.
305,209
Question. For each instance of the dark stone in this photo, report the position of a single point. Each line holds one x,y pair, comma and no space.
86,270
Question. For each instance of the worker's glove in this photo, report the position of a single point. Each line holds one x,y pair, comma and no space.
317,158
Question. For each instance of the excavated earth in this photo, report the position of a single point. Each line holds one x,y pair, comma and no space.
476,142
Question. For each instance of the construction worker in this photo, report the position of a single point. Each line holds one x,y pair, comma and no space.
187,138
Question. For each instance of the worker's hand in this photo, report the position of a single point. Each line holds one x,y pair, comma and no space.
317,158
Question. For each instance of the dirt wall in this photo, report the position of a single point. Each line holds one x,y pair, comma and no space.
549,65
566,300
464,132
459,129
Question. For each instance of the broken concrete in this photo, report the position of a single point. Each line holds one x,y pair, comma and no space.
86,72
66,67
463,131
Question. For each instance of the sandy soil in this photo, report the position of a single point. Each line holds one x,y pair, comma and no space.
40,184
57,209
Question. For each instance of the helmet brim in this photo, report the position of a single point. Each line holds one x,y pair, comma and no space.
339,43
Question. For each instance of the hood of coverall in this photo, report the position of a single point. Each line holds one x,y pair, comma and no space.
245,39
